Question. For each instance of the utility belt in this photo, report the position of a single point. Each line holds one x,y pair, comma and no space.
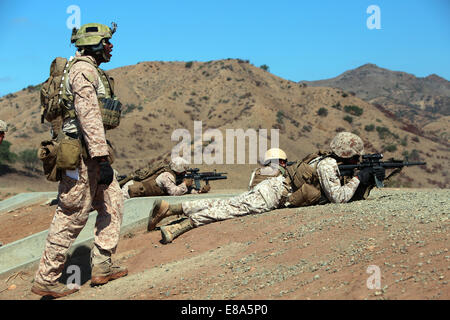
65,153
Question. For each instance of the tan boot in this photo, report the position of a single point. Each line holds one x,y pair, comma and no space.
106,271
55,290
168,233
160,210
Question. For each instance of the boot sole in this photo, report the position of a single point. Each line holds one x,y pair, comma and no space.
154,219
51,293
166,238
103,280
155,209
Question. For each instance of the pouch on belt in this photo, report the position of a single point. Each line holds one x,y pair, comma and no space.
68,155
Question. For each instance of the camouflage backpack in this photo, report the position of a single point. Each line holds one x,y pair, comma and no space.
51,92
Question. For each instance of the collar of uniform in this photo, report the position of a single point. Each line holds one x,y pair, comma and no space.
78,54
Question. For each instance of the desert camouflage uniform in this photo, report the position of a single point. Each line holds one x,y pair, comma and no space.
266,171
78,197
268,195
328,172
167,182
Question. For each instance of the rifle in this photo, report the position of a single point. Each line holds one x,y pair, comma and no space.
195,175
373,161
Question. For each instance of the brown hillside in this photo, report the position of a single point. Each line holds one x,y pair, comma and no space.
414,100
160,97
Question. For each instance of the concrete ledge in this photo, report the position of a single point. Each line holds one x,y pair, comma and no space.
24,199
27,251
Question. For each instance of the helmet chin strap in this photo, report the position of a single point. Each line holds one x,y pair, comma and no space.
97,50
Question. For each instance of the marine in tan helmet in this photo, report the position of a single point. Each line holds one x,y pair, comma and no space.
269,194
274,162
316,178
89,97
3,130
163,181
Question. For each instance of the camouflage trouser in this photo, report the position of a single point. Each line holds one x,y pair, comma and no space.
209,210
76,198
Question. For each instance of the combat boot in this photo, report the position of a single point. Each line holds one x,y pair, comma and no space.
106,271
168,233
55,290
160,210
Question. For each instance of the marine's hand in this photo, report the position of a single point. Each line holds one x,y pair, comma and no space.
380,173
205,189
106,173
188,182
365,176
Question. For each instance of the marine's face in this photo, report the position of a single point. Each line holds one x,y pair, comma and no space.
108,46
354,160
282,163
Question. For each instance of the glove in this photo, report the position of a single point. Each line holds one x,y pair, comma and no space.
205,188
380,173
365,176
106,173
188,182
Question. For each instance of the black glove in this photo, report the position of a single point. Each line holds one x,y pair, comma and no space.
365,176
106,173
380,173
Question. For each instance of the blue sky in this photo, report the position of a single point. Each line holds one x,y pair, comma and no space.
298,40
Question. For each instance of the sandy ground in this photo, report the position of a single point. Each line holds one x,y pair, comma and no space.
320,252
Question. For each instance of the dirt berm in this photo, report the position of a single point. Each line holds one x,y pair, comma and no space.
320,252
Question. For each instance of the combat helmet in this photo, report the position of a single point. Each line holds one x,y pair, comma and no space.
274,154
347,145
91,37
3,126
179,164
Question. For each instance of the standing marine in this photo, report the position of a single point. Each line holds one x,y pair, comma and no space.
87,95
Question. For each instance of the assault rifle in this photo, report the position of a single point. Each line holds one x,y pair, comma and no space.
197,176
374,161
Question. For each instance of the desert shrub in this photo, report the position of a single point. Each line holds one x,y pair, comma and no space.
344,95
369,127
29,158
307,128
412,156
383,132
188,64
337,106
404,141
280,116
354,110
264,67
130,108
323,112
390,148
5,154
348,119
